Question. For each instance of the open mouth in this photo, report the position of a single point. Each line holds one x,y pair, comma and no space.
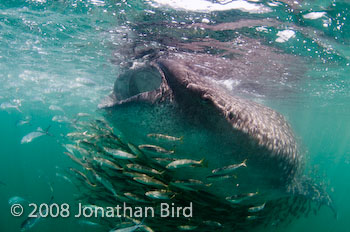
137,82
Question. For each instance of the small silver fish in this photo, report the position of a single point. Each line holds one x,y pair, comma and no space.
191,182
147,180
83,115
24,121
134,197
187,227
7,105
76,134
55,108
160,194
133,174
33,135
88,223
256,208
182,186
105,124
154,148
64,177
164,161
212,223
135,149
119,154
128,229
85,81
16,200
165,137
30,222
236,199
75,159
230,168
147,228
72,148
108,185
82,175
251,217
107,163
86,144
220,177
60,118
186,163
143,169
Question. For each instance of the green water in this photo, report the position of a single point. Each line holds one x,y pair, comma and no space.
61,53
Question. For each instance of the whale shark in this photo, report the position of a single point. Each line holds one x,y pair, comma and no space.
201,104
208,100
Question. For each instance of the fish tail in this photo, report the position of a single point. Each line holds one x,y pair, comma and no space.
244,163
181,139
51,199
162,172
51,190
204,162
75,120
46,131
141,222
19,110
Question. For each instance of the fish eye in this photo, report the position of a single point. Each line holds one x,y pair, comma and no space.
137,81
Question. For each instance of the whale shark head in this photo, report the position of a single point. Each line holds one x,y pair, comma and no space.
181,94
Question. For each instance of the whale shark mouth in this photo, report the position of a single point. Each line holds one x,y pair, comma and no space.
137,82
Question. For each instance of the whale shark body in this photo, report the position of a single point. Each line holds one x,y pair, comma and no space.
209,104
184,94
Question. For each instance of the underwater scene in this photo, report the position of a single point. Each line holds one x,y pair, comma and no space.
174,115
